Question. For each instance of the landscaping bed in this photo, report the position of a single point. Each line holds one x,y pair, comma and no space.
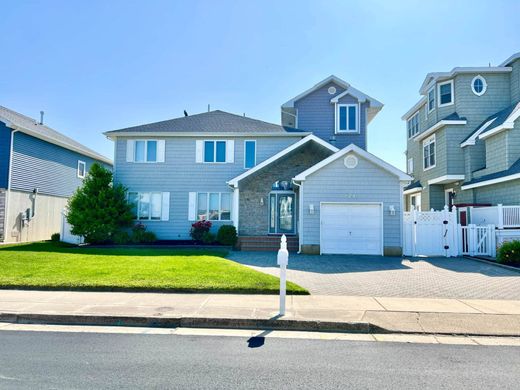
48,265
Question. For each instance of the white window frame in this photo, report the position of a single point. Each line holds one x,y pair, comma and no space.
219,206
409,166
428,110
484,85
214,151
412,134
450,82
338,131
429,141
245,153
146,151
417,198
84,164
138,206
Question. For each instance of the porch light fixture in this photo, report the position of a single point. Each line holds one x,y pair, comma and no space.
261,201
311,209
391,208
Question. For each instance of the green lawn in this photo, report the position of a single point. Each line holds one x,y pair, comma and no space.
46,265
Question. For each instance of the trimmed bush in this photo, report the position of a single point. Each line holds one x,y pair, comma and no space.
208,238
149,237
509,253
227,235
198,229
55,237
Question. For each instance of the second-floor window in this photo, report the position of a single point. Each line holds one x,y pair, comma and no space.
145,151
413,125
82,169
249,154
214,151
347,118
446,93
431,99
409,167
429,152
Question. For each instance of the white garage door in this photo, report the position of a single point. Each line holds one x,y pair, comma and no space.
351,228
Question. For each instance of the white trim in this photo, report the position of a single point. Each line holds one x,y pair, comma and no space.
452,94
514,57
141,134
409,166
484,85
360,152
360,96
416,107
146,140
418,200
428,142
448,178
408,125
412,190
446,196
432,78
235,212
331,78
277,215
234,182
208,193
355,203
245,154
84,169
437,126
226,145
508,124
491,181
347,131
428,99
471,140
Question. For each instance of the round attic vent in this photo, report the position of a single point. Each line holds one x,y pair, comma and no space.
351,161
332,90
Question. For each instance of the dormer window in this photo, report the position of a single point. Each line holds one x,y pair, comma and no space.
445,93
347,118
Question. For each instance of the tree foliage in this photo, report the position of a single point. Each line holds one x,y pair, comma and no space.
99,208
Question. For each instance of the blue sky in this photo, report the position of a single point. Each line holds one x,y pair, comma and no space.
94,66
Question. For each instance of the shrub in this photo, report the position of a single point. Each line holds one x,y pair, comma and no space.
138,232
509,253
208,238
198,229
99,208
55,237
149,237
121,238
227,235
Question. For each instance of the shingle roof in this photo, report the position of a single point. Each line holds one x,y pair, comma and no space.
514,169
498,119
209,122
32,127
454,117
413,185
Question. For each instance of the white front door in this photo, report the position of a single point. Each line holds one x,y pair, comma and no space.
351,228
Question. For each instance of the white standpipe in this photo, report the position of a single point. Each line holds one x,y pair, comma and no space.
283,260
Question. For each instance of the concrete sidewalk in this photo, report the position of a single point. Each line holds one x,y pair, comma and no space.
356,314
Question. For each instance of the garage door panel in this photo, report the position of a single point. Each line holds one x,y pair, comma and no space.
351,228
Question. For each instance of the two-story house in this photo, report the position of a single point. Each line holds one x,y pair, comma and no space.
463,136
269,179
39,170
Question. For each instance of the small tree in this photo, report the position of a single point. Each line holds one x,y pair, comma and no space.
99,208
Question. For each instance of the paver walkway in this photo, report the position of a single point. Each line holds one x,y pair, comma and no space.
458,278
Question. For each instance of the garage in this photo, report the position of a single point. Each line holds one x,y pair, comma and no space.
351,228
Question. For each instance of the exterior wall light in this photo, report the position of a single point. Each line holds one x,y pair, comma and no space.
311,209
391,209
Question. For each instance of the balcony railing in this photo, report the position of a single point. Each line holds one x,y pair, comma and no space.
500,216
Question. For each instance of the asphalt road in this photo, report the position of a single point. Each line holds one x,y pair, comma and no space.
46,360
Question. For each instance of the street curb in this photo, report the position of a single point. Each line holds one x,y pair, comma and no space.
220,323
495,263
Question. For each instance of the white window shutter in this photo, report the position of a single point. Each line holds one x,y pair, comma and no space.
199,149
130,145
192,206
161,146
230,151
165,209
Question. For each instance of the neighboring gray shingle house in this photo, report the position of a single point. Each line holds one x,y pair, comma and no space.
39,170
464,138
231,169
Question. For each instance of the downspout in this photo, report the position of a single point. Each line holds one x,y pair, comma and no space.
300,218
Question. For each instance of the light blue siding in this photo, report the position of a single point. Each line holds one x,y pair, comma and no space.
316,113
5,150
336,183
180,175
48,167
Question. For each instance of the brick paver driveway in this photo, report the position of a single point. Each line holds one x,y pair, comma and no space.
391,276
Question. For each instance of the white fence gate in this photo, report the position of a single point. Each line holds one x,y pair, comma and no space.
65,234
431,233
477,240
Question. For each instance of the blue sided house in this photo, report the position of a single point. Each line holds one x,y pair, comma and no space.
39,170
310,178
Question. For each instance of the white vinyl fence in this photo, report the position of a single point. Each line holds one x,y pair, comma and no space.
65,234
500,216
477,240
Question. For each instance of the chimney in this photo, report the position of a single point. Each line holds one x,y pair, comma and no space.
41,117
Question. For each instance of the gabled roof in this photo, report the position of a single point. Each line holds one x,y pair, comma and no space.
211,122
492,123
434,77
512,173
310,138
331,78
414,108
511,59
360,152
415,186
452,119
30,126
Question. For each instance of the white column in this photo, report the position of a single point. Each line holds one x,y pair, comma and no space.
283,260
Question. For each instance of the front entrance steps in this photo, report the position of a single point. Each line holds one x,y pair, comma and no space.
266,243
